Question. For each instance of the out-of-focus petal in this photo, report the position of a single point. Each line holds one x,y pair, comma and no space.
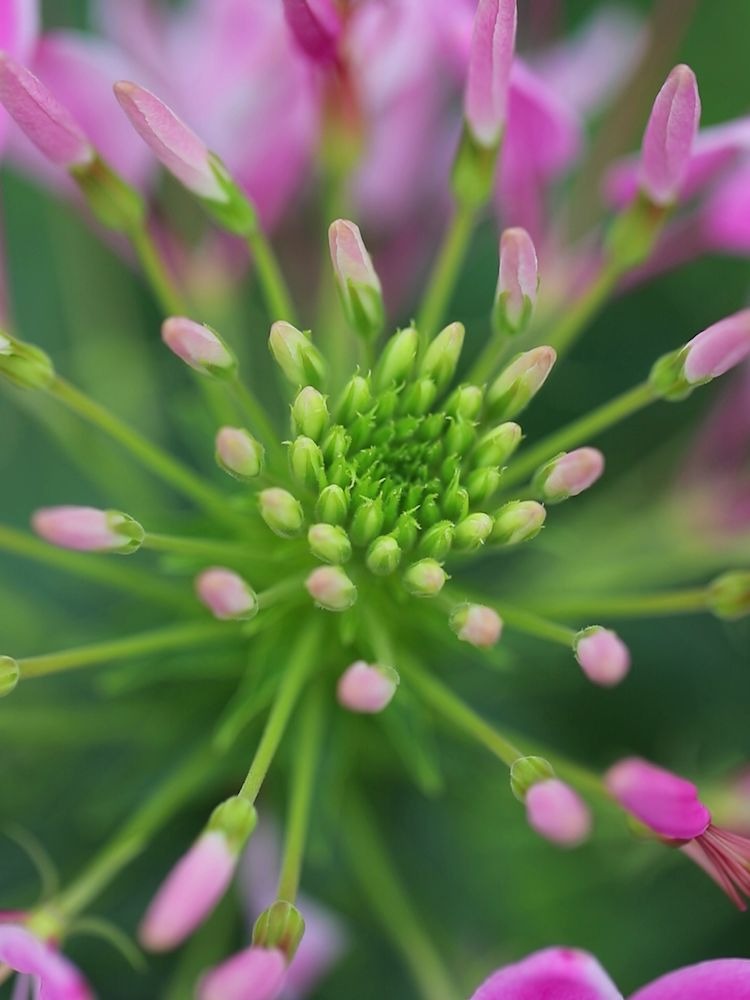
554,974
725,979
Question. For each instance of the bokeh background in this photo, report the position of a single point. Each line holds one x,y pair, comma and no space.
76,753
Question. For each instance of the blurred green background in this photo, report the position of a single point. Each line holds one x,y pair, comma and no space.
78,753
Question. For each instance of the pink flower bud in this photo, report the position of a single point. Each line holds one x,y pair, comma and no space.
252,974
358,283
558,813
603,656
717,349
668,140
189,893
316,27
331,588
477,624
665,802
179,149
517,281
555,974
570,474
238,453
490,60
226,594
88,529
367,687
198,346
44,120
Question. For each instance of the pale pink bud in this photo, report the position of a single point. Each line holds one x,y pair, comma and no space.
358,283
668,140
226,594
179,149
238,453
189,893
198,346
316,27
88,529
557,813
517,281
367,687
44,120
490,60
477,624
569,474
331,588
603,656
717,349
252,974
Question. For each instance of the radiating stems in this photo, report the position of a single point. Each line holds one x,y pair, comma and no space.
207,548
489,358
445,272
674,602
304,771
271,280
296,672
392,904
576,316
517,618
170,299
578,431
181,478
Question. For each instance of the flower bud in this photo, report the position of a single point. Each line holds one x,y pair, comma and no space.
250,974
355,400
569,474
729,595
42,118
310,413
490,60
425,578
9,674
280,926
476,624
437,541
88,529
465,402
668,140
329,543
602,655
406,531
296,355
717,349
24,364
358,284
557,813
331,588
460,436
332,506
514,388
335,444
235,818
238,453
367,521
441,357
226,595
316,27
198,346
455,500
418,397
528,771
497,445
281,511
518,521
306,463
367,687
472,532
517,282
397,359
383,555
482,483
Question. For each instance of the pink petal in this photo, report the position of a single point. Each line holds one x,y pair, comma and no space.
558,813
665,802
552,974
84,528
225,593
316,26
252,974
668,141
366,688
25,953
719,348
724,979
490,60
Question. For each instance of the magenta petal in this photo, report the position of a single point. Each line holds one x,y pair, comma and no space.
668,141
719,348
666,803
490,60
252,974
315,25
725,979
552,974
25,953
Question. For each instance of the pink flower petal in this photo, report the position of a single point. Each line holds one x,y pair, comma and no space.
553,974
25,953
558,813
252,974
668,141
665,802
719,348
724,979
490,60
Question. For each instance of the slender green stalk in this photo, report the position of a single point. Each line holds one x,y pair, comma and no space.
575,433
182,479
489,358
207,548
169,298
297,670
576,316
515,617
672,602
304,771
259,419
270,277
445,272
392,904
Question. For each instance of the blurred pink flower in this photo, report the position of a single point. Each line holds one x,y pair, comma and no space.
19,23
56,977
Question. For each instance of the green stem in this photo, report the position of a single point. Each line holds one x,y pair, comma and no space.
392,904
515,617
300,664
154,458
207,548
585,428
445,272
489,358
169,298
259,421
576,316
173,637
304,770
675,602
272,283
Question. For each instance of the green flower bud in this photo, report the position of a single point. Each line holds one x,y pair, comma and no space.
429,511
306,463
455,502
355,400
729,595
387,403
425,578
335,444
418,397
238,453
310,413
482,483
472,532
667,376
516,386
280,926
441,357
9,674
236,819
436,542
397,358
406,531
331,588
496,446
339,473
383,555
360,431
432,427
465,401
367,521
295,354
114,203
332,506
528,771
23,364
460,436
517,521
473,174
329,543
392,497
357,281
281,511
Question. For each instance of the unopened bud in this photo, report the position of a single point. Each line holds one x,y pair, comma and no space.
482,483
555,811
310,413
425,578
729,595
418,397
88,529
24,364
518,521
460,436
335,443
669,136
236,819
602,655
9,674
455,500
226,594
280,926
528,771
331,588
358,284
366,521
497,445
490,60
329,543
332,505
397,358
406,531
383,555
296,355
476,624
517,282
367,688
472,532
569,474
281,511
436,542
306,463
238,453
466,402
441,357
198,346
355,400
516,386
